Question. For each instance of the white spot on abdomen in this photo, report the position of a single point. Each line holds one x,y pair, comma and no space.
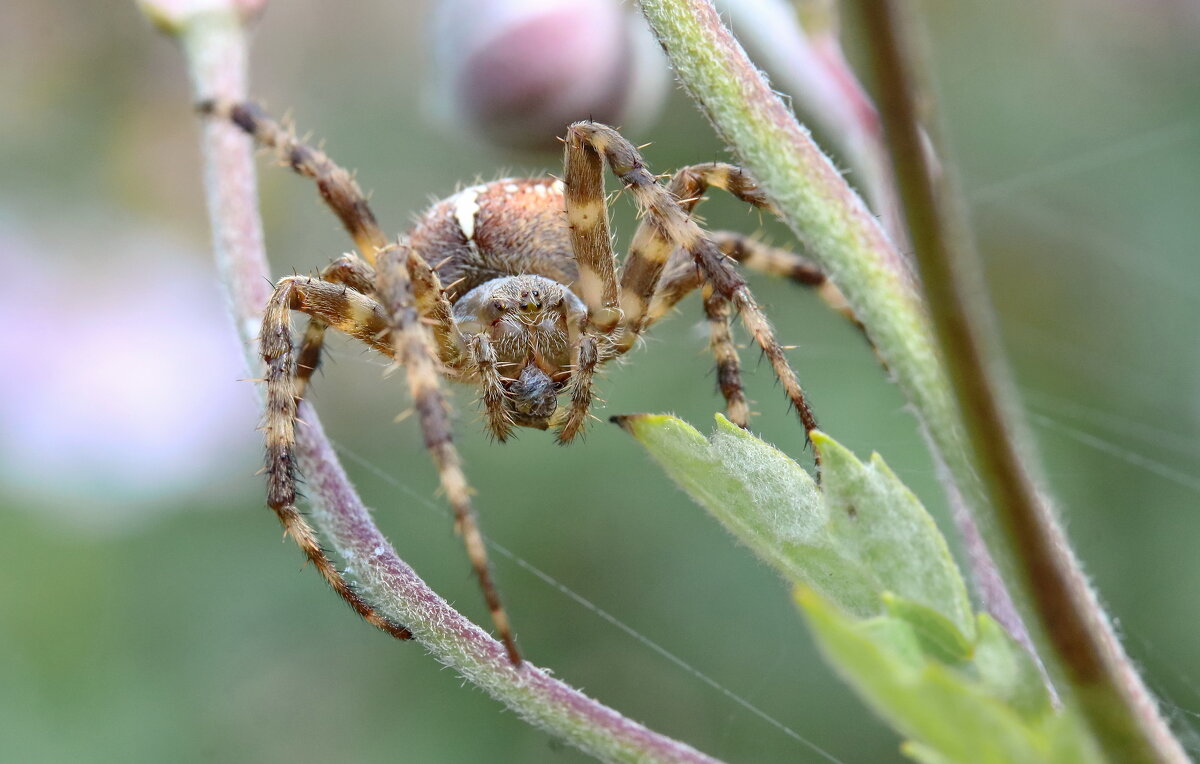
466,208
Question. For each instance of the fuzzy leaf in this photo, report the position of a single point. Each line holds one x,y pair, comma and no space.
880,591
950,715
859,535
883,525
1008,671
939,637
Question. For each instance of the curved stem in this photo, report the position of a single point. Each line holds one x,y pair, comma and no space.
961,411
214,43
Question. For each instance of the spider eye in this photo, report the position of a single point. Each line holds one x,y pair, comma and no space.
497,306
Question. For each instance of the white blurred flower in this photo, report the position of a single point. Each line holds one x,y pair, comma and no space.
119,396
517,72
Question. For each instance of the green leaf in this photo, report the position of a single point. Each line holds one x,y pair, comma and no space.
859,535
1008,670
939,637
949,714
880,590
880,523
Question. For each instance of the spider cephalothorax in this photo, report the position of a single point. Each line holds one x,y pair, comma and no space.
532,323
513,287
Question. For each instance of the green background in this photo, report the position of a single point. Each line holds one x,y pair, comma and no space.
192,635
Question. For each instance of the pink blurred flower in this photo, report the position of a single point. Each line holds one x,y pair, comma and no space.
120,394
517,72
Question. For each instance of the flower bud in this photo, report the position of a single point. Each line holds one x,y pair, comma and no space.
172,15
517,72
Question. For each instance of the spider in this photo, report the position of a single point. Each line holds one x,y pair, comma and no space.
510,286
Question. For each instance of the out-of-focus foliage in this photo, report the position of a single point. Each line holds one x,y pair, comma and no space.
197,635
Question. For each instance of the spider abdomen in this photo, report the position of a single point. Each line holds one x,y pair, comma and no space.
507,227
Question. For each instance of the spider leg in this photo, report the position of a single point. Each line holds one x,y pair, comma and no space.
729,374
689,185
351,270
339,191
664,212
337,186
414,350
755,255
588,356
587,217
682,276
653,243
493,395
349,312
436,312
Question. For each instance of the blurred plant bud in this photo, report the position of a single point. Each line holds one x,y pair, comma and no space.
516,72
171,15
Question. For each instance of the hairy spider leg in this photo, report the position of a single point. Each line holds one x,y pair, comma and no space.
724,351
663,211
350,270
401,335
436,312
415,352
338,189
681,274
492,393
587,219
357,315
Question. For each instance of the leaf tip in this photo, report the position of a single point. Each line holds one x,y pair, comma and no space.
636,423
625,421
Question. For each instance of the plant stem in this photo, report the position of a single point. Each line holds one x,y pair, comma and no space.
966,427
214,44
1111,696
798,43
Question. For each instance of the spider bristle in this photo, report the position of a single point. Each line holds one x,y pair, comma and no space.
405,414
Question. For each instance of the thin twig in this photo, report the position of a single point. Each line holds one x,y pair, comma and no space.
214,42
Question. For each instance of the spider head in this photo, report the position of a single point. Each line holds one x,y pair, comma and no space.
530,322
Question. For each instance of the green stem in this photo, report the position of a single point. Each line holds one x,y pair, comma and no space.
960,410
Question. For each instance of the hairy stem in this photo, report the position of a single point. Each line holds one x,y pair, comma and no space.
214,43
1121,712
960,408
798,43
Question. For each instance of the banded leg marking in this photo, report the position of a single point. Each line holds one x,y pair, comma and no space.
415,352
336,184
297,293
352,271
664,211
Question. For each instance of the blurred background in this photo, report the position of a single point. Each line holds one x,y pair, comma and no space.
149,611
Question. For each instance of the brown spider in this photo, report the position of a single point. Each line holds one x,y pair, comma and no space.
511,286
